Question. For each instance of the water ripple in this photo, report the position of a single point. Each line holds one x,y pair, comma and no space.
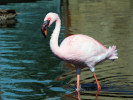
9,81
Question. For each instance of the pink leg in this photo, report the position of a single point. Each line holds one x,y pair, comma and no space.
98,85
78,78
97,94
78,82
78,95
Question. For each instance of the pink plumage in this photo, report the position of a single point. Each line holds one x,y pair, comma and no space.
80,50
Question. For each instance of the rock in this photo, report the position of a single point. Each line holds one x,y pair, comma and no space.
7,18
7,14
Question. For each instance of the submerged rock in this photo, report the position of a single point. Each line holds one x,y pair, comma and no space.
7,18
7,14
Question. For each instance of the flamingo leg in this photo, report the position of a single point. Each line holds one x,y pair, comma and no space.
98,85
78,79
78,82
78,95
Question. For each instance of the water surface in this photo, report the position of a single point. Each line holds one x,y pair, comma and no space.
28,69
109,22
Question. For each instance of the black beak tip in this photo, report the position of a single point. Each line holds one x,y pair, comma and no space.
43,34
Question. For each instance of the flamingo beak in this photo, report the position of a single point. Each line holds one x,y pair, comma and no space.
44,28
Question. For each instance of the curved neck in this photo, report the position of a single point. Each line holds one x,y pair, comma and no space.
54,39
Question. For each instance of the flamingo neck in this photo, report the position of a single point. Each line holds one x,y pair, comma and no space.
54,39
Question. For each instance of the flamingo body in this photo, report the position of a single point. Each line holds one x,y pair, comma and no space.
78,49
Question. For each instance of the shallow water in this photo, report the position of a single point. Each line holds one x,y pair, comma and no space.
27,67
109,22
30,71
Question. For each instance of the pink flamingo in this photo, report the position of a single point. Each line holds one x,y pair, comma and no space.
80,50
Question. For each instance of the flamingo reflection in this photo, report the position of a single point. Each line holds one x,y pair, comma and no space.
79,95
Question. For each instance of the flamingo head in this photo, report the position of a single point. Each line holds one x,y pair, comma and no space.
48,20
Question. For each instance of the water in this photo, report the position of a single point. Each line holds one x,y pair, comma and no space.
28,69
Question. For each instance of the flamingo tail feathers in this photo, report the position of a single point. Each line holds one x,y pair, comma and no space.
112,53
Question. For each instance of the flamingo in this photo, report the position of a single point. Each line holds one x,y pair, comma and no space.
80,50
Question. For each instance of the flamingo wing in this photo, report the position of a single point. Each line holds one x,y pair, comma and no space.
81,47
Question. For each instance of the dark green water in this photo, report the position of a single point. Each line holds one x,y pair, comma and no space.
28,69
